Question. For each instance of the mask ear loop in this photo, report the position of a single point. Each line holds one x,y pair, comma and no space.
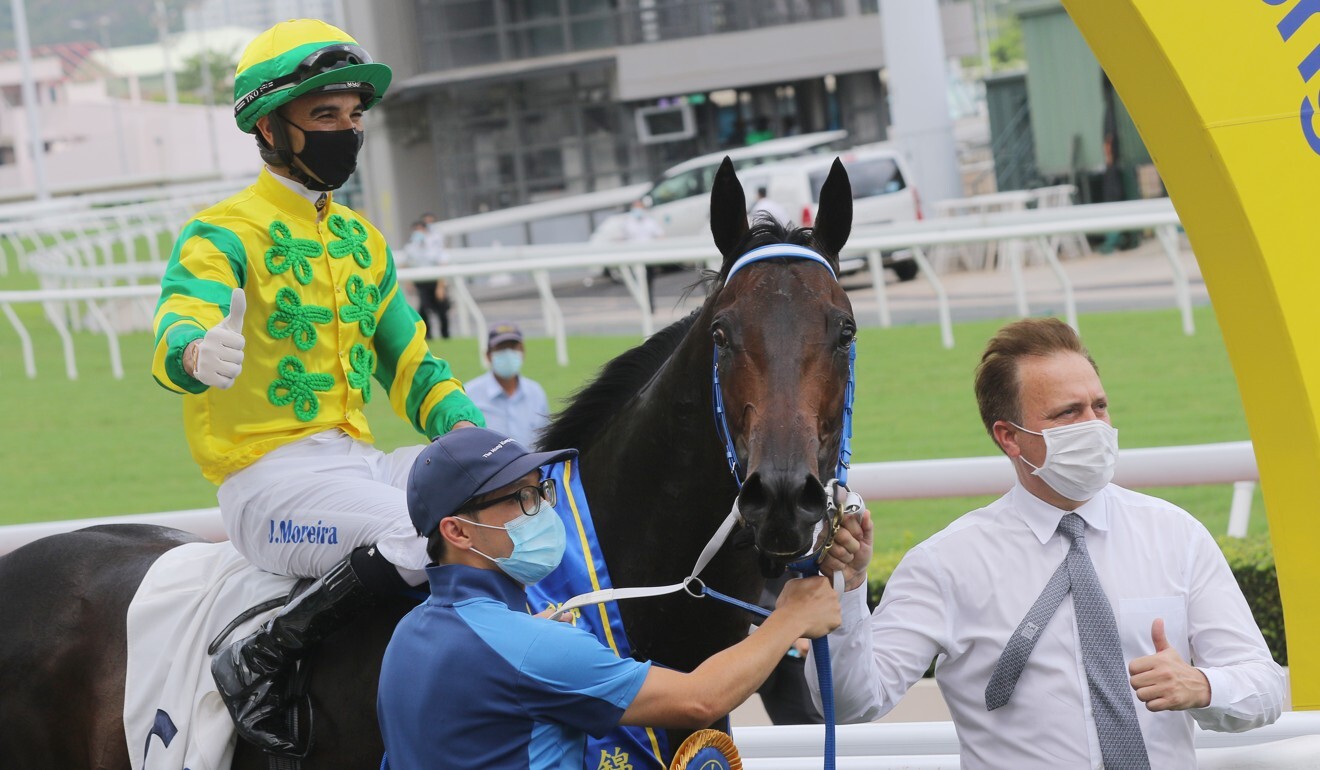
283,150
1023,457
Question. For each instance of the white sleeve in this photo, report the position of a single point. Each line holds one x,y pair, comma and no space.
1246,686
876,658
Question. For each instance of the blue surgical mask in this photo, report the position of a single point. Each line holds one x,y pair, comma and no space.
506,363
538,545
418,236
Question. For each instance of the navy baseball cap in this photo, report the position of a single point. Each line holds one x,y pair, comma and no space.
463,464
505,331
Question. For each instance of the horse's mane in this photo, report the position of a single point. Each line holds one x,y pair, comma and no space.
622,378
619,380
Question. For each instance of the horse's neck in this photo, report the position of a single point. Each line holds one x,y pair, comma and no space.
670,425
658,467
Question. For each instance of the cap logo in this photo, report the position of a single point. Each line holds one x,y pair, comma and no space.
497,448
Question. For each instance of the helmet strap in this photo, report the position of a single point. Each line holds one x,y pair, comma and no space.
281,154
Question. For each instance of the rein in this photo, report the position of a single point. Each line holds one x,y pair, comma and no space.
693,585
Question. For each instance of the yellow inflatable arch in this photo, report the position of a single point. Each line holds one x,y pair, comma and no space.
1224,93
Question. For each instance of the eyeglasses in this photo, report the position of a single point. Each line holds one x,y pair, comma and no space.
332,57
528,497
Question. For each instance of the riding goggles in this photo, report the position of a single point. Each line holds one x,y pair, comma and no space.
322,60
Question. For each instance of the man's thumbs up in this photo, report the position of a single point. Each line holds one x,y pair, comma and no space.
1164,681
220,352
1157,636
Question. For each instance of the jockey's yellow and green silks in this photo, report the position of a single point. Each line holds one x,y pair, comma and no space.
324,315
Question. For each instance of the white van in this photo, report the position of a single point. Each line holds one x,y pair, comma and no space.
680,199
881,186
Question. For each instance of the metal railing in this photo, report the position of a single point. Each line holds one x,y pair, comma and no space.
1291,742
1232,462
1035,228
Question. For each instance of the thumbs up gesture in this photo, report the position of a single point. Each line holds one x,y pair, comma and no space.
219,355
1164,681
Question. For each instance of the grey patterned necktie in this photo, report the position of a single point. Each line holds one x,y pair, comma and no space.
1121,744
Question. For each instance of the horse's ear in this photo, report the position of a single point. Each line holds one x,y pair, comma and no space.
728,210
834,217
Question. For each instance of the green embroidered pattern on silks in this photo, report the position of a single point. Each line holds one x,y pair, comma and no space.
291,253
294,319
366,301
352,240
364,365
297,386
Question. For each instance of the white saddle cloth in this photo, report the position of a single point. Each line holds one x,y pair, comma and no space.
173,716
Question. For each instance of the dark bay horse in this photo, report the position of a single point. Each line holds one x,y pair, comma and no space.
655,473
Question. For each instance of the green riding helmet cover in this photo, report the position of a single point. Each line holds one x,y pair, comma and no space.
299,57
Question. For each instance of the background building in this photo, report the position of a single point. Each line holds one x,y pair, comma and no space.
256,14
503,102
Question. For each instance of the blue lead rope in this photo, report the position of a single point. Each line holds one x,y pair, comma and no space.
823,668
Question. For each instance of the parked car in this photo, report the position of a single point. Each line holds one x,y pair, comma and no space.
882,194
680,199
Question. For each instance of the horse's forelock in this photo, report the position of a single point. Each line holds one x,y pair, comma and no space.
768,232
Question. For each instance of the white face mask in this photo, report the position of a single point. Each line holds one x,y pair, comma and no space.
1079,458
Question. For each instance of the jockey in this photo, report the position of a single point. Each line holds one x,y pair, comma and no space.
278,308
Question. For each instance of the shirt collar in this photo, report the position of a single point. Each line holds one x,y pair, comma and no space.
289,194
1043,518
455,583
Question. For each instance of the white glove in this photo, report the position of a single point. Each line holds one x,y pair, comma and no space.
220,352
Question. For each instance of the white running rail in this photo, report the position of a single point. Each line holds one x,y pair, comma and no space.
81,258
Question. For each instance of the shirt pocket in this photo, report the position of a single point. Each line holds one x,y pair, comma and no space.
1135,617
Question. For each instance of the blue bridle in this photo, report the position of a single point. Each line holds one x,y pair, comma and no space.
782,251
807,565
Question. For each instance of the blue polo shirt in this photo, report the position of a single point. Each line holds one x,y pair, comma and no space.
471,680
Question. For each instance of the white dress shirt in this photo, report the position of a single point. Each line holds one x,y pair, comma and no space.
772,208
520,416
963,592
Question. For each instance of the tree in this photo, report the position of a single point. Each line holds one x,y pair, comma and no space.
221,66
1007,49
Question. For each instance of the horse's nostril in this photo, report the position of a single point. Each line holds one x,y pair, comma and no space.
754,495
812,496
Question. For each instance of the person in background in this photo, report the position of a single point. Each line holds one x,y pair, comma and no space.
513,403
472,680
642,227
1074,623
764,206
426,248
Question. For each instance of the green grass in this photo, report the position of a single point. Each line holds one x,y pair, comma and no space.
99,446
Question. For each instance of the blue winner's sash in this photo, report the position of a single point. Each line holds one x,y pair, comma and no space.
582,570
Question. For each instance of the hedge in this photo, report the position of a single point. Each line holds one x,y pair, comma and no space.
1252,562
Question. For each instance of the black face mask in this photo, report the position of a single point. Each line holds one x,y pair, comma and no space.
331,156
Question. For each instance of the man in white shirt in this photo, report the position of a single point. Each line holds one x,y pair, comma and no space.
970,594
426,248
512,403
767,207
641,227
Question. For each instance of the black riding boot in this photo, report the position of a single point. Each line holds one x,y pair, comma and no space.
252,673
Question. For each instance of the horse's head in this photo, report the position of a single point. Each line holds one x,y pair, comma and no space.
783,331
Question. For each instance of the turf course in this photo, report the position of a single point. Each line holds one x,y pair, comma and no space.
98,446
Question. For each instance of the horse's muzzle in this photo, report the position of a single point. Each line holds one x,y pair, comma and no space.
784,510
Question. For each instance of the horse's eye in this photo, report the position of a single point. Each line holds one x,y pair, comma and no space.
846,336
719,338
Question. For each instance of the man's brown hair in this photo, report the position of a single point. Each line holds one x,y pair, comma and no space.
998,390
